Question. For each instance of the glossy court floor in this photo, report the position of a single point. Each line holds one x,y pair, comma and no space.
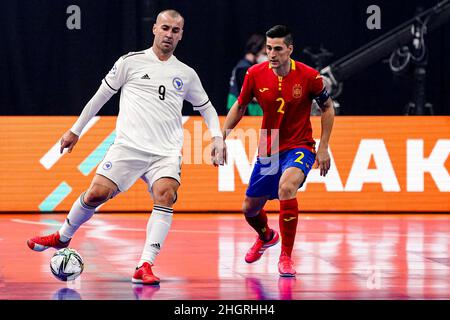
337,256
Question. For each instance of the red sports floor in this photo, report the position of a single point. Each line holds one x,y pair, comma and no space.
338,256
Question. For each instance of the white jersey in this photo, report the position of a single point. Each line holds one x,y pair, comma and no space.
151,101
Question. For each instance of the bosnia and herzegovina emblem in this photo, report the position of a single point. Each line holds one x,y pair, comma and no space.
297,91
177,83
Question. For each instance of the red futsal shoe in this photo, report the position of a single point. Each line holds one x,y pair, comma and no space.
258,248
45,242
144,275
286,266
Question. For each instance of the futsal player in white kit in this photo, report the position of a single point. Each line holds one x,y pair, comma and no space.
149,138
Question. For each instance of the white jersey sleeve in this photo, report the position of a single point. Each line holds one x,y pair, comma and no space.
196,94
211,118
117,76
113,81
102,96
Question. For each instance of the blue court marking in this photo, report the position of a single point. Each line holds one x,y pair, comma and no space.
55,198
96,156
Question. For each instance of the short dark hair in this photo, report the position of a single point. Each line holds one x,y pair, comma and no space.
281,31
172,13
255,43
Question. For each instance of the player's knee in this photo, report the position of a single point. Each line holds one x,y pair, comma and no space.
164,196
245,208
249,210
96,196
287,190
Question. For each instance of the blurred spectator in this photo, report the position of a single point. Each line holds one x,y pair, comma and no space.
255,52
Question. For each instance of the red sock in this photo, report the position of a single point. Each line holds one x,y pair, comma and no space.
288,224
259,223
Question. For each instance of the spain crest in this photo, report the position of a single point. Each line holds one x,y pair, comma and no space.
297,91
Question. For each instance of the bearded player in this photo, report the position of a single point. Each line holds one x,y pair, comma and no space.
285,90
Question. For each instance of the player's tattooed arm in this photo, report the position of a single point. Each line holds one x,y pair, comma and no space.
327,120
235,115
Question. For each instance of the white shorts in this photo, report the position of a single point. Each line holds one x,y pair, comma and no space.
124,165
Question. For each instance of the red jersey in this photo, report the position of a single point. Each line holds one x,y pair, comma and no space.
286,103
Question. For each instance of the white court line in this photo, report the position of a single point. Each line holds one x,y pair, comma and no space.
125,229
53,155
222,232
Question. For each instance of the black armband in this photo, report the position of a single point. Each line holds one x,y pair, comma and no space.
322,97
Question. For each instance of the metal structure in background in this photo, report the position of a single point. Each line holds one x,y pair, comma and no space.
394,44
320,58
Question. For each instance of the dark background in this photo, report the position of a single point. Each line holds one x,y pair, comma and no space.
48,69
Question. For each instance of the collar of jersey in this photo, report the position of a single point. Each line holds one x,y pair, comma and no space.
153,54
292,65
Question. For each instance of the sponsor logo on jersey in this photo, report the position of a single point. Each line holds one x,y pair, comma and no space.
263,89
145,76
177,83
297,91
289,219
318,77
107,165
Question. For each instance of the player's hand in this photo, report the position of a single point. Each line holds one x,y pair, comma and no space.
323,160
68,140
218,151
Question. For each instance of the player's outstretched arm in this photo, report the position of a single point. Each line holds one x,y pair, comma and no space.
327,120
218,151
68,140
218,147
235,115
70,137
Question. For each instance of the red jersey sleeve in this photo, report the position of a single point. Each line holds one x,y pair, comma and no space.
316,84
246,95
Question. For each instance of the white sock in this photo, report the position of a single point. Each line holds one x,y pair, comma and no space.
79,214
158,227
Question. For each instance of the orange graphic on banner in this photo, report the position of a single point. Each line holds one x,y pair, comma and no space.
383,164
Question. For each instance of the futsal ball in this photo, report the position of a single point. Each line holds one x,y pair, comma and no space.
66,264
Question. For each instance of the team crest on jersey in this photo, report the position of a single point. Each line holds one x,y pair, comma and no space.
177,83
113,70
297,91
107,165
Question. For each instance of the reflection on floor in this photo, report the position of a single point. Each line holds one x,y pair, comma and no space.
338,256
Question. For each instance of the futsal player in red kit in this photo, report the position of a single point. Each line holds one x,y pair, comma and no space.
285,90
